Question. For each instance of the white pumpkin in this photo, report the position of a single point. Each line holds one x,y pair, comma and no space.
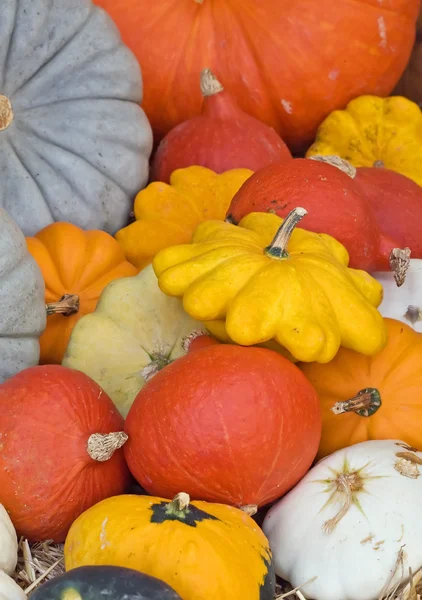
403,303
8,543
74,142
22,305
352,527
9,589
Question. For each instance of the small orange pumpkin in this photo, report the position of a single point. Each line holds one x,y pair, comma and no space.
76,266
371,398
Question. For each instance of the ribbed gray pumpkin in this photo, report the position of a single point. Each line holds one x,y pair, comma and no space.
74,142
22,305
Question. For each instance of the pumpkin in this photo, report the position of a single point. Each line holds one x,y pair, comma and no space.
375,131
91,583
74,143
358,506
286,63
134,332
403,303
264,280
9,589
22,312
76,266
61,439
8,543
371,398
335,203
168,214
222,137
242,426
202,550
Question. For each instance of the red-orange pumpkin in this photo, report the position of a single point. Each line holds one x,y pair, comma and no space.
60,440
226,424
287,62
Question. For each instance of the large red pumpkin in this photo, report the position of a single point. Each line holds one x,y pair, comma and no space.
287,62
226,424
60,436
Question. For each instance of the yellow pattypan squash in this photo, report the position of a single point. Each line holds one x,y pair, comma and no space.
264,280
373,131
168,214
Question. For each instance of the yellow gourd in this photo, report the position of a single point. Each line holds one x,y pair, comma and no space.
168,214
266,280
202,550
375,131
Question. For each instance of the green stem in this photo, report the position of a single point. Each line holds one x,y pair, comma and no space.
179,506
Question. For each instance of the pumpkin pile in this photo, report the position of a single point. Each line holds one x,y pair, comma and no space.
211,316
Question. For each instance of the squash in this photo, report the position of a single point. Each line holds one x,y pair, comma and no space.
8,543
134,332
375,131
265,281
371,398
359,512
9,589
403,303
168,214
242,426
286,63
74,142
335,204
201,550
76,266
117,583
22,312
61,439
222,137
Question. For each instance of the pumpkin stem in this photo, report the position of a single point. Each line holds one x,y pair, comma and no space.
346,483
379,164
336,161
413,314
6,112
209,83
399,263
250,509
66,306
102,446
179,506
190,343
365,403
278,247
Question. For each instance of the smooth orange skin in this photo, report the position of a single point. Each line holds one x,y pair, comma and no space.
226,424
79,262
47,478
288,63
396,372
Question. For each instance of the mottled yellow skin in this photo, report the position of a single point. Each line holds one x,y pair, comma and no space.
168,214
373,129
222,559
310,303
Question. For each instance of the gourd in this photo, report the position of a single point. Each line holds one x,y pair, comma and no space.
93,582
76,266
74,142
22,312
286,63
61,439
134,332
8,543
242,426
168,214
335,203
403,303
201,550
222,137
358,506
265,280
9,589
373,130
371,398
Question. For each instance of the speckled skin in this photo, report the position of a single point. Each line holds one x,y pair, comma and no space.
77,149
22,307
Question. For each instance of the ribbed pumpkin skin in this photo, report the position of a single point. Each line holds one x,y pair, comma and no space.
226,424
47,478
287,63
79,262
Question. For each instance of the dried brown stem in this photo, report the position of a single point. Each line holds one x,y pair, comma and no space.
365,403
399,263
336,161
249,509
210,84
278,247
66,306
6,112
102,446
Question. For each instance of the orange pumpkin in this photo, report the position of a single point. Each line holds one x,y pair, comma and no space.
371,398
76,266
